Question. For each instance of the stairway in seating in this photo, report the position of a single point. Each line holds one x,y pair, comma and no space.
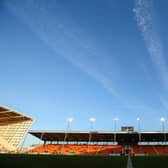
99,149
156,151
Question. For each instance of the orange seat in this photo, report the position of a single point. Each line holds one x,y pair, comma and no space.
78,149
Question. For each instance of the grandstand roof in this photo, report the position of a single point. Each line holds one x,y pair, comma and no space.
120,137
10,116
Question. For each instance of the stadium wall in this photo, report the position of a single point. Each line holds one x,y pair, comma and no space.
14,132
13,127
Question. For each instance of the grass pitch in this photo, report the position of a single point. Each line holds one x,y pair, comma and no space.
58,161
150,161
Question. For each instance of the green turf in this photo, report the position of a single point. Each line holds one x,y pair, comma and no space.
56,161
150,161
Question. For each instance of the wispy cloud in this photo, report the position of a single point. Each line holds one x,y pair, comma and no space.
144,16
65,39
70,42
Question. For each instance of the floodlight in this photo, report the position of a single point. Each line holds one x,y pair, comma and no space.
92,119
115,119
162,119
138,119
115,122
139,127
70,119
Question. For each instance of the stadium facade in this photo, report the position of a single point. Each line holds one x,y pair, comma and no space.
13,127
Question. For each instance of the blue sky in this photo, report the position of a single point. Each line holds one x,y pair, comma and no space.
82,59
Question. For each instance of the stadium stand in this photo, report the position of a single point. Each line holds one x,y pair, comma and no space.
13,127
162,150
100,149
148,150
127,143
151,149
78,149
